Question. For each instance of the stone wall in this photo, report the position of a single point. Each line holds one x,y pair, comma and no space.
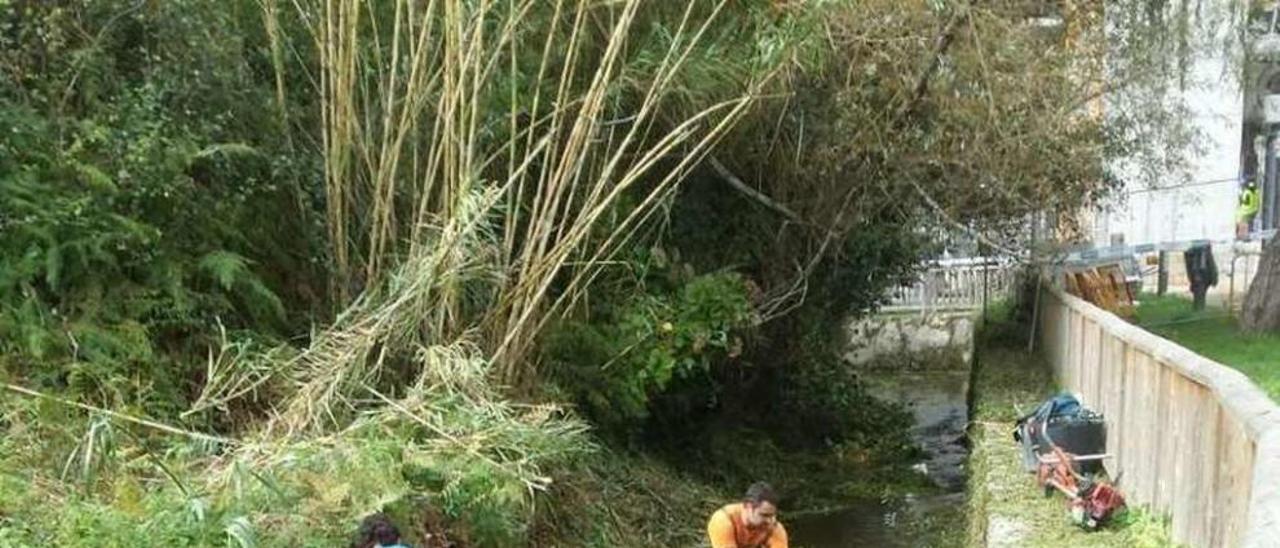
910,341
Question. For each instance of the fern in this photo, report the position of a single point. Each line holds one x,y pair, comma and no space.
144,209
119,343
232,273
94,178
263,304
225,267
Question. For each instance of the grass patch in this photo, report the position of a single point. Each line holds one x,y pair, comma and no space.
1006,507
117,496
1216,335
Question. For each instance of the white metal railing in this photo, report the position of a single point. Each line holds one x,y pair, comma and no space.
955,284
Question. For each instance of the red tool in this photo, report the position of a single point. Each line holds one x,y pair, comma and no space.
1092,501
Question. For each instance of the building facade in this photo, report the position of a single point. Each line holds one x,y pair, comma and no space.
1197,199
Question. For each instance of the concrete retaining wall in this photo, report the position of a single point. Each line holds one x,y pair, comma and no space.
911,341
1193,438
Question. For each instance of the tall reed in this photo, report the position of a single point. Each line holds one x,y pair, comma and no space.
411,136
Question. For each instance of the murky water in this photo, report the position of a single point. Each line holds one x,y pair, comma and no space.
938,399
864,523
892,524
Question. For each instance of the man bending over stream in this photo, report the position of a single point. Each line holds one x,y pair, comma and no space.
752,523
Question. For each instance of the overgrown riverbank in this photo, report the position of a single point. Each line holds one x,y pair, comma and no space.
513,272
122,487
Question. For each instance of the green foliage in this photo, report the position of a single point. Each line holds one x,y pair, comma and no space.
632,350
136,215
821,400
795,359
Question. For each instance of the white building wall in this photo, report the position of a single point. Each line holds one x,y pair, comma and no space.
1205,207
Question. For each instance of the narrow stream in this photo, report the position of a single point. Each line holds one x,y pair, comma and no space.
864,523
938,399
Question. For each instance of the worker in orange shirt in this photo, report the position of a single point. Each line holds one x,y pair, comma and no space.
752,523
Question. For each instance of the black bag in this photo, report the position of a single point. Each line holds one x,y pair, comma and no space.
1063,422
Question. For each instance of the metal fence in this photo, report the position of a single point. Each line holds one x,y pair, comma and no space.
955,284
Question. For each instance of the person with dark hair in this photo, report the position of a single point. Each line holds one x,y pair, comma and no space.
377,531
752,523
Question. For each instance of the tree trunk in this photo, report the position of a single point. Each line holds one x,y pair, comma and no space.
1262,303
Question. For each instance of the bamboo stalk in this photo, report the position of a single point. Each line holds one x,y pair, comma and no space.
565,171
121,416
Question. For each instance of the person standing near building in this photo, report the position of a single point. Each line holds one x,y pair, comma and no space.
752,523
1248,209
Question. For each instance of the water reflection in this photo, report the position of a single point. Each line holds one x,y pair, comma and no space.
866,523
938,401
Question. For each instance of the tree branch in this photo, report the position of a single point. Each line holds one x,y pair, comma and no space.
737,183
937,208
941,45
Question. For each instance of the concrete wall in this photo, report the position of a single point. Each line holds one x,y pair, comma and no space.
1194,439
911,341
922,362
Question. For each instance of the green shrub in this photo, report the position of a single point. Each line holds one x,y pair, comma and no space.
633,351
822,401
142,204
818,399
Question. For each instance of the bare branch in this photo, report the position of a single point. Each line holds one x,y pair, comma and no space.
737,183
